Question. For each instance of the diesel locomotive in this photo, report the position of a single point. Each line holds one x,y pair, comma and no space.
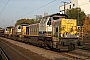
54,31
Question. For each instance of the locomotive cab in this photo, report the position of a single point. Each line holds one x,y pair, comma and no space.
45,27
18,29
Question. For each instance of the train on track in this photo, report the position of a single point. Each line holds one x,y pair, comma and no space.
1,32
54,31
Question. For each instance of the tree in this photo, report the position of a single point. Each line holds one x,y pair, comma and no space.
87,26
76,13
26,21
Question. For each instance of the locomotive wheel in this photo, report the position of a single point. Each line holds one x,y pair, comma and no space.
71,47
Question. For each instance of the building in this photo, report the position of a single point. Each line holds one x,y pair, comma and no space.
83,4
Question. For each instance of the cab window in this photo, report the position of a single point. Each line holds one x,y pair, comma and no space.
49,22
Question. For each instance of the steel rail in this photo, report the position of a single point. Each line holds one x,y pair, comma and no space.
27,58
4,54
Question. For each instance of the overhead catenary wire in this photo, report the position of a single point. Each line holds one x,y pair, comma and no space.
4,6
39,8
27,6
50,7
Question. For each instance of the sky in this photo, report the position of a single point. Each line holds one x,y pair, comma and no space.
13,10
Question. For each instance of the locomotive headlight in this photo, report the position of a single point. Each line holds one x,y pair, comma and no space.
77,35
61,35
66,36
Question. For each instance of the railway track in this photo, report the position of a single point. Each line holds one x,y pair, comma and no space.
76,56
82,53
3,55
16,51
73,55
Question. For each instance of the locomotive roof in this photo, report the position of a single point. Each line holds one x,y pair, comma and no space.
25,24
57,14
10,27
33,24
